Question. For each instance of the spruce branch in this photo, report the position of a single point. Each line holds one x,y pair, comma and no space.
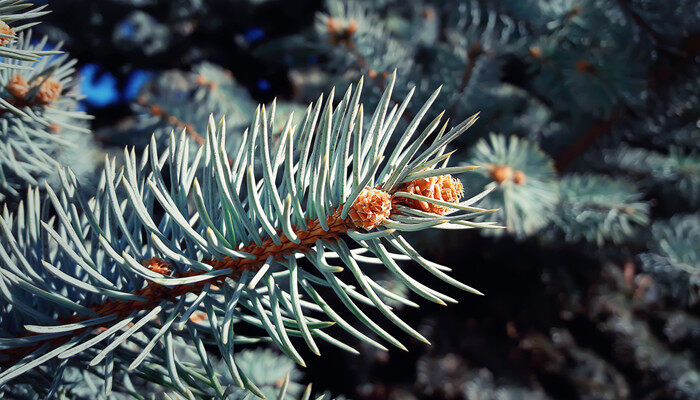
228,267
38,113
172,120
600,209
674,257
177,100
235,241
522,180
12,14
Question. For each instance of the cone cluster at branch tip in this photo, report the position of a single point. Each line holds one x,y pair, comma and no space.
203,81
503,173
340,32
5,29
18,86
443,187
49,90
536,52
373,206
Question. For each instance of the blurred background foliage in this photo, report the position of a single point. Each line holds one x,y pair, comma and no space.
589,138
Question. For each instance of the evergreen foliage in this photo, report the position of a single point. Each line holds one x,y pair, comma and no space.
175,100
38,102
674,256
580,62
154,273
523,180
13,14
112,261
600,209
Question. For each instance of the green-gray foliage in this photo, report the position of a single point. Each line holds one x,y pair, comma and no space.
67,252
31,136
14,13
674,256
527,206
600,209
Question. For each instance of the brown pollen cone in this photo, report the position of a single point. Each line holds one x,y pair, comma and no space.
352,27
536,51
371,208
49,91
451,188
584,66
519,177
5,29
340,32
444,187
501,173
18,86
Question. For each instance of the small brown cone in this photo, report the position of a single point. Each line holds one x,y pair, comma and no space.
371,208
536,52
5,29
451,189
18,86
352,27
443,187
49,91
501,173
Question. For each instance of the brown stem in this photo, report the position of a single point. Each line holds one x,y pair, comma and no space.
19,103
378,77
474,52
156,293
568,155
171,119
625,6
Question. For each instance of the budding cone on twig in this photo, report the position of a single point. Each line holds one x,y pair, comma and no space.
5,29
371,208
443,187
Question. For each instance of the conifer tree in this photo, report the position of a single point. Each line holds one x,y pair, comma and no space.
223,225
